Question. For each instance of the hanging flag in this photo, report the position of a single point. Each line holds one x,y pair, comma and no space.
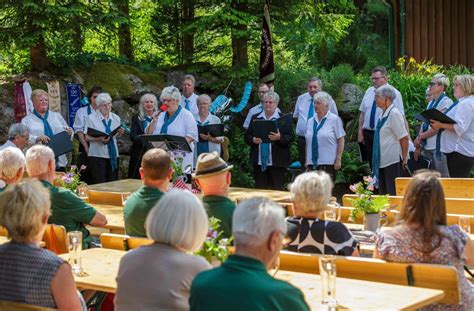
27,93
19,103
73,91
267,65
54,97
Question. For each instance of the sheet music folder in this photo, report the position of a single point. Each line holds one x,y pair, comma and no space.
413,166
434,114
96,133
215,130
262,128
167,142
60,143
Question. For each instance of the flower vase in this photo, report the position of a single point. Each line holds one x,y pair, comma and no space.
371,222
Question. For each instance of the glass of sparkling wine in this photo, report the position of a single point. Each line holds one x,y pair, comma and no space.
332,211
327,271
465,224
74,239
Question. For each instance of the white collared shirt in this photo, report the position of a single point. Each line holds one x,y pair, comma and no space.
366,106
464,127
211,119
444,104
262,116
253,111
185,126
94,120
328,135
36,128
303,104
9,143
81,118
390,134
449,139
192,103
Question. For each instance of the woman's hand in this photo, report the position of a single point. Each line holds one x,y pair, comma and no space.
274,136
436,124
105,140
206,137
155,115
43,139
257,140
69,130
120,131
337,164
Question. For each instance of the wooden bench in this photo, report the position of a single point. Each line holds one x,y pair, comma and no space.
122,242
376,270
452,187
103,197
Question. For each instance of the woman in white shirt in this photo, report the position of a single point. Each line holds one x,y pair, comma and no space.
390,151
206,142
43,123
103,151
324,137
175,121
457,140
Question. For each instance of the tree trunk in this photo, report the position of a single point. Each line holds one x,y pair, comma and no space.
78,38
38,57
188,38
240,58
124,35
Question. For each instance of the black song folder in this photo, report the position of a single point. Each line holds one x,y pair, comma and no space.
263,128
96,133
215,130
60,143
167,142
434,114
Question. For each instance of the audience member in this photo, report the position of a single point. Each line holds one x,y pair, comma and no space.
213,178
159,276
12,167
155,172
189,99
206,142
242,282
422,235
18,137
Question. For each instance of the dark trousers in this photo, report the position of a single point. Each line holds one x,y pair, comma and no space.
368,144
387,177
83,160
134,168
326,168
101,171
459,165
302,150
271,178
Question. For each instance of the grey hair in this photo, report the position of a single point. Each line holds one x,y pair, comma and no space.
204,97
255,219
323,97
315,79
273,96
17,129
380,69
442,79
170,92
143,99
386,91
178,219
103,98
37,160
311,191
12,160
190,78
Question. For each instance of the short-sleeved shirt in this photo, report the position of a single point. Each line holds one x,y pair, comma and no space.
303,104
210,119
444,104
328,135
7,144
257,109
390,134
313,235
70,211
449,139
243,283
221,208
138,205
81,118
464,126
192,103
94,120
367,102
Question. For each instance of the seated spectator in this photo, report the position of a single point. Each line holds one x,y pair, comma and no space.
155,171
67,209
242,282
12,167
30,274
18,136
213,178
311,193
422,236
159,276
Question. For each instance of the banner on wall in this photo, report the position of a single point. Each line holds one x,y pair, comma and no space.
54,96
73,91
19,103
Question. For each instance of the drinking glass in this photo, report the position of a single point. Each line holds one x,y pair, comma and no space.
465,224
332,211
74,239
125,196
327,271
83,191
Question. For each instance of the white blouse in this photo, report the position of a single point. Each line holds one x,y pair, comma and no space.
211,119
303,104
464,127
97,148
81,119
390,134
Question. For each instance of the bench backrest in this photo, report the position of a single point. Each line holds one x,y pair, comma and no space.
55,239
16,306
452,187
102,197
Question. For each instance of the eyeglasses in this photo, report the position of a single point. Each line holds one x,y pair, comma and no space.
95,96
433,84
377,78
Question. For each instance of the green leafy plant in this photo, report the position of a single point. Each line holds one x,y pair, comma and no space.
215,247
71,179
352,168
365,203
177,165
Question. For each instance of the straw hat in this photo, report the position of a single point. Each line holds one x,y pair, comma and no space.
210,164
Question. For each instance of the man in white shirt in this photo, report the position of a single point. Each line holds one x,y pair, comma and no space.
189,98
257,109
18,136
370,113
304,110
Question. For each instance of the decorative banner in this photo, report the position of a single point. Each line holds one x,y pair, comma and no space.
267,65
19,105
54,96
27,93
73,92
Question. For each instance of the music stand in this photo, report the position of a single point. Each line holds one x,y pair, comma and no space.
167,142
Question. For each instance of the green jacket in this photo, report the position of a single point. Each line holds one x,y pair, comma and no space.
138,205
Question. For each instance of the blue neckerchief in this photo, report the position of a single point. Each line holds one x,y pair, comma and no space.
316,128
440,131
202,146
48,131
265,154
311,108
373,110
147,120
376,148
168,120
111,145
433,104
186,103
89,110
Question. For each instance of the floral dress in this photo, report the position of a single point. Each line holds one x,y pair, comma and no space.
403,244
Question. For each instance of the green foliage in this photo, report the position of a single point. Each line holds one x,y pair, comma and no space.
239,153
365,203
215,247
352,169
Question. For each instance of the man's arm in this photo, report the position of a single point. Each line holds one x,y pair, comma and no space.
99,220
360,134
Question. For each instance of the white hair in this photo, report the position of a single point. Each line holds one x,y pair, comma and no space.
205,98
17,129
37,160
143,99
386,91
12,160
170,92
103,98
317,80
190,78
273,96
311,191
255,219
178,219
323,97
442,79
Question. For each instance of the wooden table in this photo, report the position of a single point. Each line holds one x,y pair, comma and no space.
114,215
4,239
101,267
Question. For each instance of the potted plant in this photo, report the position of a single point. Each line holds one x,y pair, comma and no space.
366,204
215,248
71,179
